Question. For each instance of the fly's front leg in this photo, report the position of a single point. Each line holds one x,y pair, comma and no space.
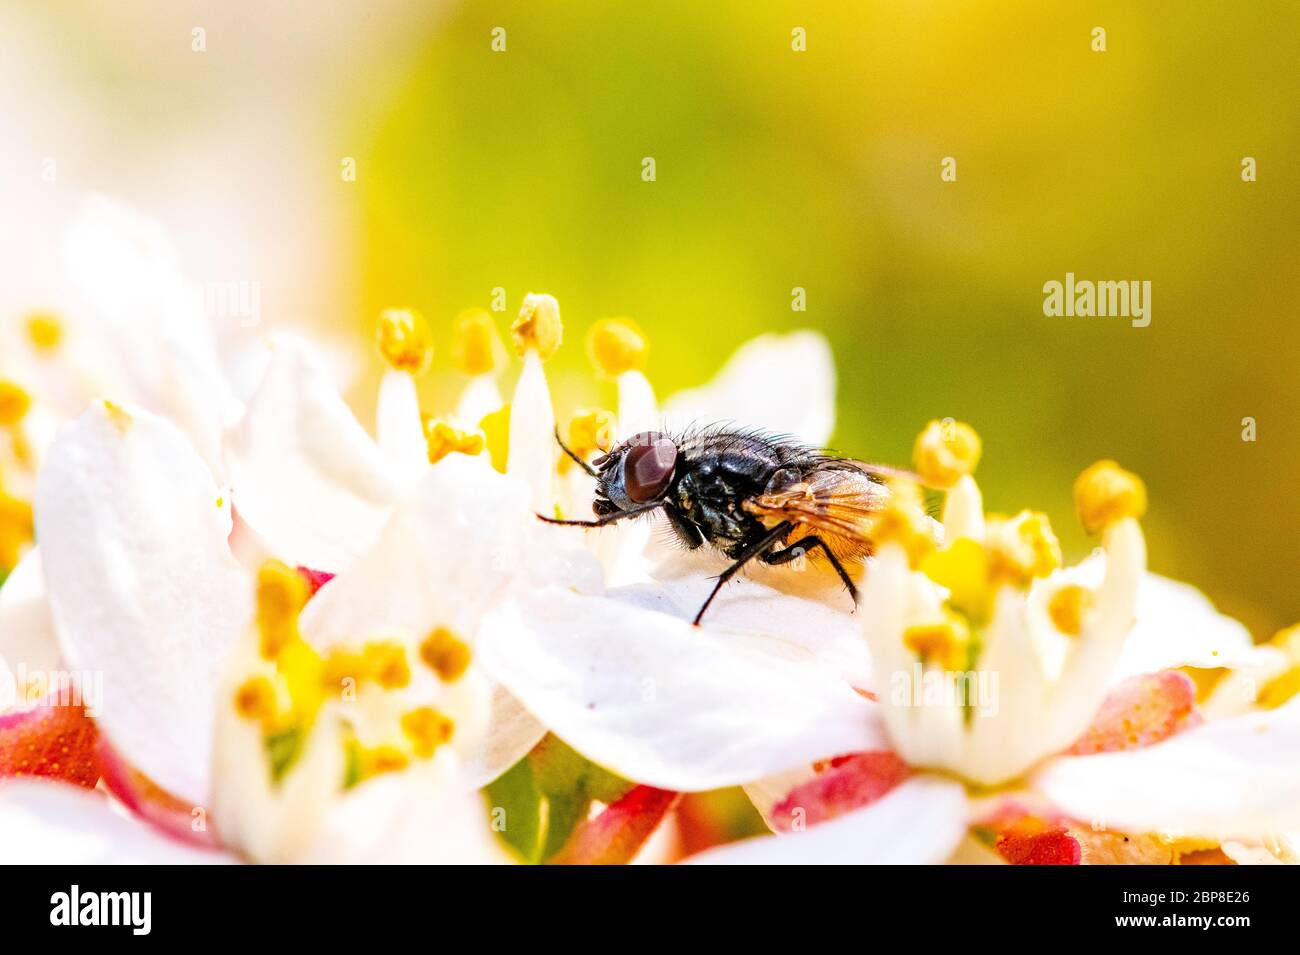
607,519
686,532
797,550
748,554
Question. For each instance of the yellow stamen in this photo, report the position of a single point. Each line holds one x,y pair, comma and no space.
445,654
476,347
496,432
616,345
16,530
404,339
962,567
427,729
1067,608
44,331
255,700
945,643
945,452
903,521
1105,493
590,431
443,439
387,665
281,594
339,667
372,761
538,326
1021,548
14,403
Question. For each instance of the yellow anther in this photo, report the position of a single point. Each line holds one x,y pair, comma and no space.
16,530
281,594
387,665
496,432
1284,687
372,761
44,331
475,346
590,431
339,667
616,345
1106,493
962,567
427,729
255,700
538,326
1067,608
443,439
14,403
946,451
903,521
1021,548
404,339
945,643
445,654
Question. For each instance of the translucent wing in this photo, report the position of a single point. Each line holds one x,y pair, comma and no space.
839,505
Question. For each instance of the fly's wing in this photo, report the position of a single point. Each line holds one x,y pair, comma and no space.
838,505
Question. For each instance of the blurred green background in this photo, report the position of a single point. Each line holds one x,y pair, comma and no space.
821,169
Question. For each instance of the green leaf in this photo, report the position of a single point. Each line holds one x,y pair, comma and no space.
516,810
569,782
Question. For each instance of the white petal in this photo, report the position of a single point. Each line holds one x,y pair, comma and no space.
531,455
784,384
43,823
26,627
307,477
511,734
398,428
1237,777
803,627
919,823
447,555
1178,626
143,310
142,584
660,702
426,815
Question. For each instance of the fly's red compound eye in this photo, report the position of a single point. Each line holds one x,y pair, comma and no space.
648,467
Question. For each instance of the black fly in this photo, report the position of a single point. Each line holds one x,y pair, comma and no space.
748,494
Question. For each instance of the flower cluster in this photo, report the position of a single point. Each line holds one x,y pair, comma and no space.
280,635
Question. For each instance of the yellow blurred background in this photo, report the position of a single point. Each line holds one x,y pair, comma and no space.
775,169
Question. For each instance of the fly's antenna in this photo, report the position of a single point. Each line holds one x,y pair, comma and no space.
576,460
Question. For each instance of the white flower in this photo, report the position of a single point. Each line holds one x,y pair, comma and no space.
990,602
144,588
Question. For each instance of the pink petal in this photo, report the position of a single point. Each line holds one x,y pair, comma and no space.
615,836
150,802
316,579
56,742
1140,711
1034,841
848,783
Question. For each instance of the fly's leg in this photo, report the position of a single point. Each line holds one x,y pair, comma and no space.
686,532
572,454
748,554
607,519
795,551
